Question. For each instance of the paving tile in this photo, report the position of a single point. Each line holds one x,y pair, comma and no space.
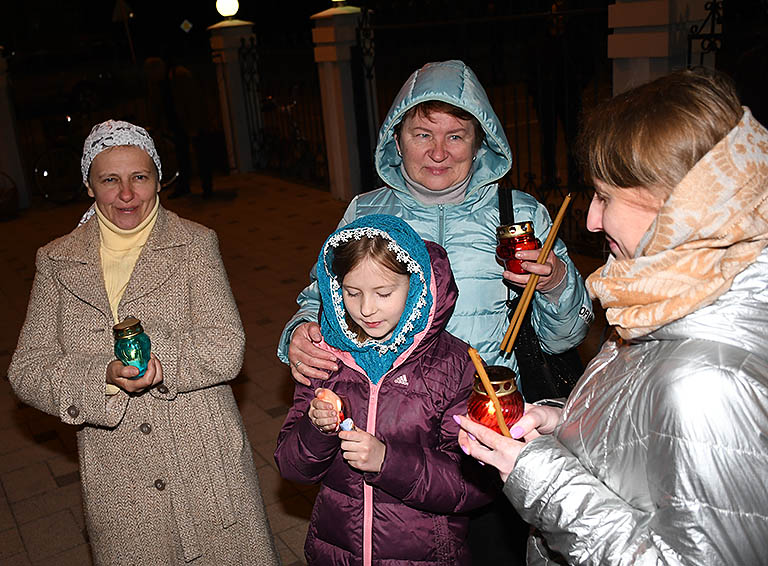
79,517
44,436
283,395
51,535
266,451
294,538
6,517
15,438
67,479
31,454
286,554
274,487
253,415
17,560
47,503
258,460
288,513
309,491
63,465
279,411
44,422
10,544
27,482
77,556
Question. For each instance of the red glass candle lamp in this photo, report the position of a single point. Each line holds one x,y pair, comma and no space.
513,238
480,407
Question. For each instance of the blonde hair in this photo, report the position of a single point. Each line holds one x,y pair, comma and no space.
652,135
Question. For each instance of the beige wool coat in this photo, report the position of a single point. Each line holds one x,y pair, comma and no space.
167,475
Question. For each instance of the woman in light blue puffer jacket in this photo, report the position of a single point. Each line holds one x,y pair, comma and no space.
441,153
461,214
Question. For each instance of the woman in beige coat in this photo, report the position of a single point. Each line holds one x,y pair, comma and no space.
166,468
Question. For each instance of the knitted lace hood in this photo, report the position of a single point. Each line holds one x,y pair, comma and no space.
376,357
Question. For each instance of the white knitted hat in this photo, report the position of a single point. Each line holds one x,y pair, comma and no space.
113,133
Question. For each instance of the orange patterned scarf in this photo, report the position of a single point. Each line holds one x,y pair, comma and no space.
711,228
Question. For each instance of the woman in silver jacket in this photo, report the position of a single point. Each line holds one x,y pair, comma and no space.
661,452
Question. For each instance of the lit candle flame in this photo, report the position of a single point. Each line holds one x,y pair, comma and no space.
490,408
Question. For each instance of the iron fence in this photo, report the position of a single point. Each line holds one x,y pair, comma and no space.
285,117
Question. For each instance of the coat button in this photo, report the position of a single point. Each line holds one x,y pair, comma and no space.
146,428
159,485
162,389
73,411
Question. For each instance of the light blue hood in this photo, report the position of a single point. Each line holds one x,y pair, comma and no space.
438,81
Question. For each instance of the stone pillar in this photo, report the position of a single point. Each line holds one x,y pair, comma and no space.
10,154
650,38
226,38
334,36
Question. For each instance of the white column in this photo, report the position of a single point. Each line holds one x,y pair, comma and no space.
334,34
10,155
226,37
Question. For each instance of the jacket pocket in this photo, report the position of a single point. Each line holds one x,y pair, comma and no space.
218,437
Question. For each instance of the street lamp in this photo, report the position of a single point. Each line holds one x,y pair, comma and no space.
227,8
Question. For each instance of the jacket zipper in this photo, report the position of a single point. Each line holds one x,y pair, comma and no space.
370,427
441,225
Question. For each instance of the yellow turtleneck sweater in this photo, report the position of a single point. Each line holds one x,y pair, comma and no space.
119,251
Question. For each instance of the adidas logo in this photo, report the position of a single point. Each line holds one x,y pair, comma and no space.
401,380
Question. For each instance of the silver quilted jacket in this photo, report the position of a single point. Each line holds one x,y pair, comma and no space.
661,456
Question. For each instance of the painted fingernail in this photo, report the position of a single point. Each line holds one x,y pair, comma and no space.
456,419
464,449
517,432
472,436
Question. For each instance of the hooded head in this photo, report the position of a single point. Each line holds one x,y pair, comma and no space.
454,83
376,357
114,133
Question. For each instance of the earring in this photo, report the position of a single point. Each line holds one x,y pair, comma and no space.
474,157
398,152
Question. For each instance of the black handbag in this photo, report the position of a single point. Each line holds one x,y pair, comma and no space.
542,375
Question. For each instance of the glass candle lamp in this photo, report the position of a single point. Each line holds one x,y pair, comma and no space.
480,407
511,239
132,345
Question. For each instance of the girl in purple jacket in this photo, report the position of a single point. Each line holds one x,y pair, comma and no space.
395,489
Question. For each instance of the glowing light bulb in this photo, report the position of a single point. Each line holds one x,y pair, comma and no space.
227,8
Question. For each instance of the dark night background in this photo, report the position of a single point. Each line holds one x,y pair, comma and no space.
74,58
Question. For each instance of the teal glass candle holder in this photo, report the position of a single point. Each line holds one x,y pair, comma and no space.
132,345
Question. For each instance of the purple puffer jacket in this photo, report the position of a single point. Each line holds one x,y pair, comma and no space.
412,511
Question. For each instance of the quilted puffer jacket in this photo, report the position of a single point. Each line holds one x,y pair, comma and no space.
410,513
661,456
466,230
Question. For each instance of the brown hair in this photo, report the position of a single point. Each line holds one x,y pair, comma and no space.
350,254
424,109
652,135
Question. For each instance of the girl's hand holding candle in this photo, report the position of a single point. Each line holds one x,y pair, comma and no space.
326,411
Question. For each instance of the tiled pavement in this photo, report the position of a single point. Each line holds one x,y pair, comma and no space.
270,231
